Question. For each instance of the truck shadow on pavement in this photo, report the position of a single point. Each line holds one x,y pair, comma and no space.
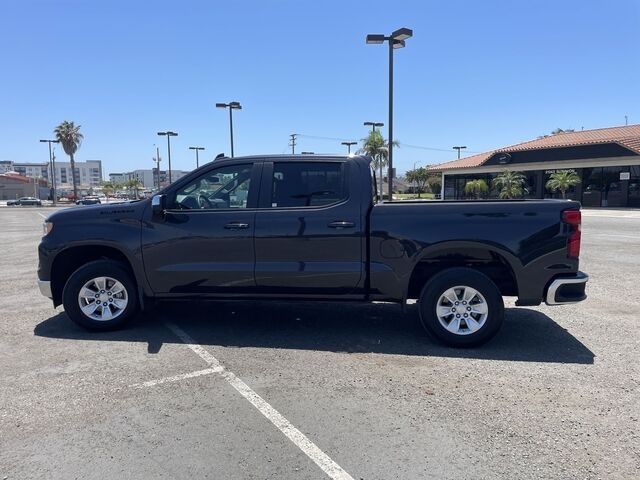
526,335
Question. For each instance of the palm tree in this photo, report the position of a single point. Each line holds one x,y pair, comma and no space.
476,187
108,188
377,148
511,184
134,184
563,180
68,134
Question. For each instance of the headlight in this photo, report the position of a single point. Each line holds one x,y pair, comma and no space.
46,228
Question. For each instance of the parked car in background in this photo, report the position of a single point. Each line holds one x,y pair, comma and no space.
25,201
88,200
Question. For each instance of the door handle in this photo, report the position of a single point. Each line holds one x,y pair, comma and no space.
341,224
236,226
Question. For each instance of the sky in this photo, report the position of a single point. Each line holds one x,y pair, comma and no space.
483,74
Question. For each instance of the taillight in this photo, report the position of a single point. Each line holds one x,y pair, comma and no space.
574,219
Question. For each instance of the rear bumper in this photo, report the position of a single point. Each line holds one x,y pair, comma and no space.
567,289
45,288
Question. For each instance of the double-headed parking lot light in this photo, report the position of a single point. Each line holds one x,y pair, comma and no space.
168,134
231,106
197,149
396,40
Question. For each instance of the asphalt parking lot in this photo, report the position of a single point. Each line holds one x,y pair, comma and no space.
332,391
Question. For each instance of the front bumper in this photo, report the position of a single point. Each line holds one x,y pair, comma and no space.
45,288
565,290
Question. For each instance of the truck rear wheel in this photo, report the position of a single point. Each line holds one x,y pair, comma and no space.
461,307
100,295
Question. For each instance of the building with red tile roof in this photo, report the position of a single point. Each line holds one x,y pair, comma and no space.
606,159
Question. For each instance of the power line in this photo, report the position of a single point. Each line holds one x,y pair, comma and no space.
333,139
419,147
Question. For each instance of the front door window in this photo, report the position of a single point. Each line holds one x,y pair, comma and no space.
222,188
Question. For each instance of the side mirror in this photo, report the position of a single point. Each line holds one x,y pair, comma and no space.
158,204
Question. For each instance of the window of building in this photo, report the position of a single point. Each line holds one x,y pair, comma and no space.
307,184
634,186
531,184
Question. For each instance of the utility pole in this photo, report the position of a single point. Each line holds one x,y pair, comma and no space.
292,143
626,120
52,164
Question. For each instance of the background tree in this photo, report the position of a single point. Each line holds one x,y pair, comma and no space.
377,148
562,180
419,177
133,184
424,180
510,184
434,181
559,131
476,187
107,188
70,138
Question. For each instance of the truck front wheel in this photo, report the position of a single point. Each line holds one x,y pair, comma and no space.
461,307
100,295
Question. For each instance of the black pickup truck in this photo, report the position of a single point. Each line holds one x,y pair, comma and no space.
310,228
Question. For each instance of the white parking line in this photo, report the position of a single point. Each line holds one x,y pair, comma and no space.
635,237
599,215
176,378
331,468
41,215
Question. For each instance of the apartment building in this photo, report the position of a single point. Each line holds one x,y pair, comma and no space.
88,174
147,177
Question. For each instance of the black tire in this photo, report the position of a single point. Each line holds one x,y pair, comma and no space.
466,277
89,271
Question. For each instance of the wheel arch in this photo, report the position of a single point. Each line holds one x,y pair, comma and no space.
73,257
498,264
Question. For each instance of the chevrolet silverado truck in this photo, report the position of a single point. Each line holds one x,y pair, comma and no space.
304,227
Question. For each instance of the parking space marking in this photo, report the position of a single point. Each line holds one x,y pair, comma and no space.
41,215
635,237
599,215
176,378
331,468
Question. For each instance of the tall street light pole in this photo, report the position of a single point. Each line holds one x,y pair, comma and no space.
168,134
197,149
231,106
348,145
458,149
52,164
373,125
395,40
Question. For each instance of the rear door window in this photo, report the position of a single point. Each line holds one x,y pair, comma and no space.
307,184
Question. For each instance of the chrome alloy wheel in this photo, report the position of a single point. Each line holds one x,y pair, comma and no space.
103,298
462,310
